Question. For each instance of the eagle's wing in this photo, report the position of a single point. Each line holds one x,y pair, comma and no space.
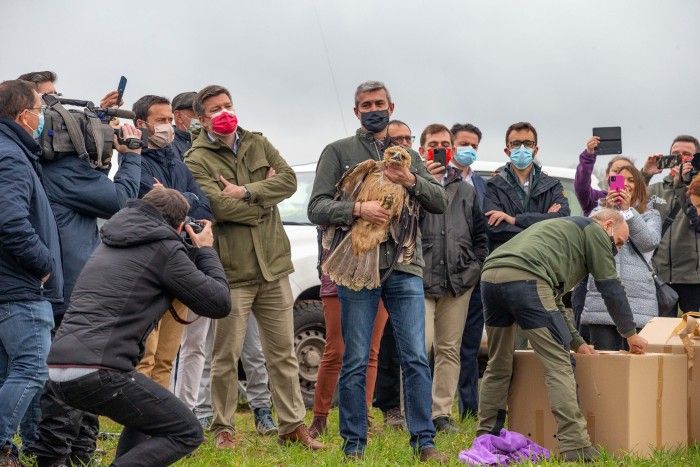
349,184
404,231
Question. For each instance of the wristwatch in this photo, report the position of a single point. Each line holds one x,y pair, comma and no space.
246,195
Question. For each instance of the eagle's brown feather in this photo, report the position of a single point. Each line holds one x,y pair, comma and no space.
354,263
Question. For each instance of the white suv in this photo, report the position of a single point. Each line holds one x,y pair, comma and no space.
309,323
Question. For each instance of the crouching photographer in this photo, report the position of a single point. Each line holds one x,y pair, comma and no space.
127,285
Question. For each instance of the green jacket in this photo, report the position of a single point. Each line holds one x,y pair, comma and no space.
677,258
562,252
343,154
249,236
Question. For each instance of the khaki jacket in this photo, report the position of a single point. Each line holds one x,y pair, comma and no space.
249,236
677,260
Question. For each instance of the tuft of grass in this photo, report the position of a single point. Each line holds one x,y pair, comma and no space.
386,447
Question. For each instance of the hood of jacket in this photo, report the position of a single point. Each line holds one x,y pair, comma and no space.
137,224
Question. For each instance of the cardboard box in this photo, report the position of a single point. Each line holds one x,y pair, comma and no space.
528,405
631,403
657,333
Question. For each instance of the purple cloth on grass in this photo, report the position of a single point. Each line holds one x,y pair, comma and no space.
507,448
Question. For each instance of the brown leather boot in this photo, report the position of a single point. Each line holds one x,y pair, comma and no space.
301,435
431,454
318,426
224,440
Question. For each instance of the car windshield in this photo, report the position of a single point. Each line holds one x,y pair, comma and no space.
568,186
293,210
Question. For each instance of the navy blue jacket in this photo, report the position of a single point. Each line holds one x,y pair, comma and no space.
29,244
79,195
501,195
480,187
182,143
165,165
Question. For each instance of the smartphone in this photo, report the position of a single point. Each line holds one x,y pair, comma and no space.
120,90
616,183
666,162
441,155
610,140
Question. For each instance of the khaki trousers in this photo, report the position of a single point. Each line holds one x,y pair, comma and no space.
444,325
512,295
271,303
162,345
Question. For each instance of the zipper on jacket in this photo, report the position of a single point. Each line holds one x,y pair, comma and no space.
41,288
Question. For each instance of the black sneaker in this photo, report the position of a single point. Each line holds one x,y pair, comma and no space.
588,454
394,419
445,424
264,423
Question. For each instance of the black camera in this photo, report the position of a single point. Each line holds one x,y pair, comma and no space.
695,162
197,227
133,143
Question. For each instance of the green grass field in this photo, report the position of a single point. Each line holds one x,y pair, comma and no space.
386,447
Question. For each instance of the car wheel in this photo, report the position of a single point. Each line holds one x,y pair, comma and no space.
309,343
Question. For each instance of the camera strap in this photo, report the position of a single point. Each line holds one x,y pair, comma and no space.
95,127
177,318
670,218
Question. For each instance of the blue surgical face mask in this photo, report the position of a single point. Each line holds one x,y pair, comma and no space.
521,157
40,126
465,156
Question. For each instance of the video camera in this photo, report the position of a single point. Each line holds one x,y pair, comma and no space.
85,133
197,227
695,162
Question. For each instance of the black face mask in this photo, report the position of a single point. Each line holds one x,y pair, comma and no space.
614,247
375,121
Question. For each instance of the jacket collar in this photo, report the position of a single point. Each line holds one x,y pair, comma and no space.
183,136
20,136
160,155
202,141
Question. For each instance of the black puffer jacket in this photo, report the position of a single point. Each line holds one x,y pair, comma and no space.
128,284
501,195
455,244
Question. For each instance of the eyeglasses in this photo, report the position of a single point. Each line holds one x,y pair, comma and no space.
42,109
406,139
683,153
528,144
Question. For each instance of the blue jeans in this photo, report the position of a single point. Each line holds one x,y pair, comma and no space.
404,301
25,338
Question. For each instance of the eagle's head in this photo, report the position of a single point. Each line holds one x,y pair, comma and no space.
397,156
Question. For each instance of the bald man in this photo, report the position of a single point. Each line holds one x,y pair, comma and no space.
522,282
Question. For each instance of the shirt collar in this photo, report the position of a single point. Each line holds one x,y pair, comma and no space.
235,142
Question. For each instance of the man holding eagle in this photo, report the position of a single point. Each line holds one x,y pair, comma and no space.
368,194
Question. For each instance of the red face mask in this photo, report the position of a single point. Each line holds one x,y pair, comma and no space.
224,122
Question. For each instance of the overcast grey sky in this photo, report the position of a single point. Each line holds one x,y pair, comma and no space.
292,66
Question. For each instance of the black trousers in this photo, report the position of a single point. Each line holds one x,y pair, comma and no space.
387,389
604,337
158,428
468,386
688,297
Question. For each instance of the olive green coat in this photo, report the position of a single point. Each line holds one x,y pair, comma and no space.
249,236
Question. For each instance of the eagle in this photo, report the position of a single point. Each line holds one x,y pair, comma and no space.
353,257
